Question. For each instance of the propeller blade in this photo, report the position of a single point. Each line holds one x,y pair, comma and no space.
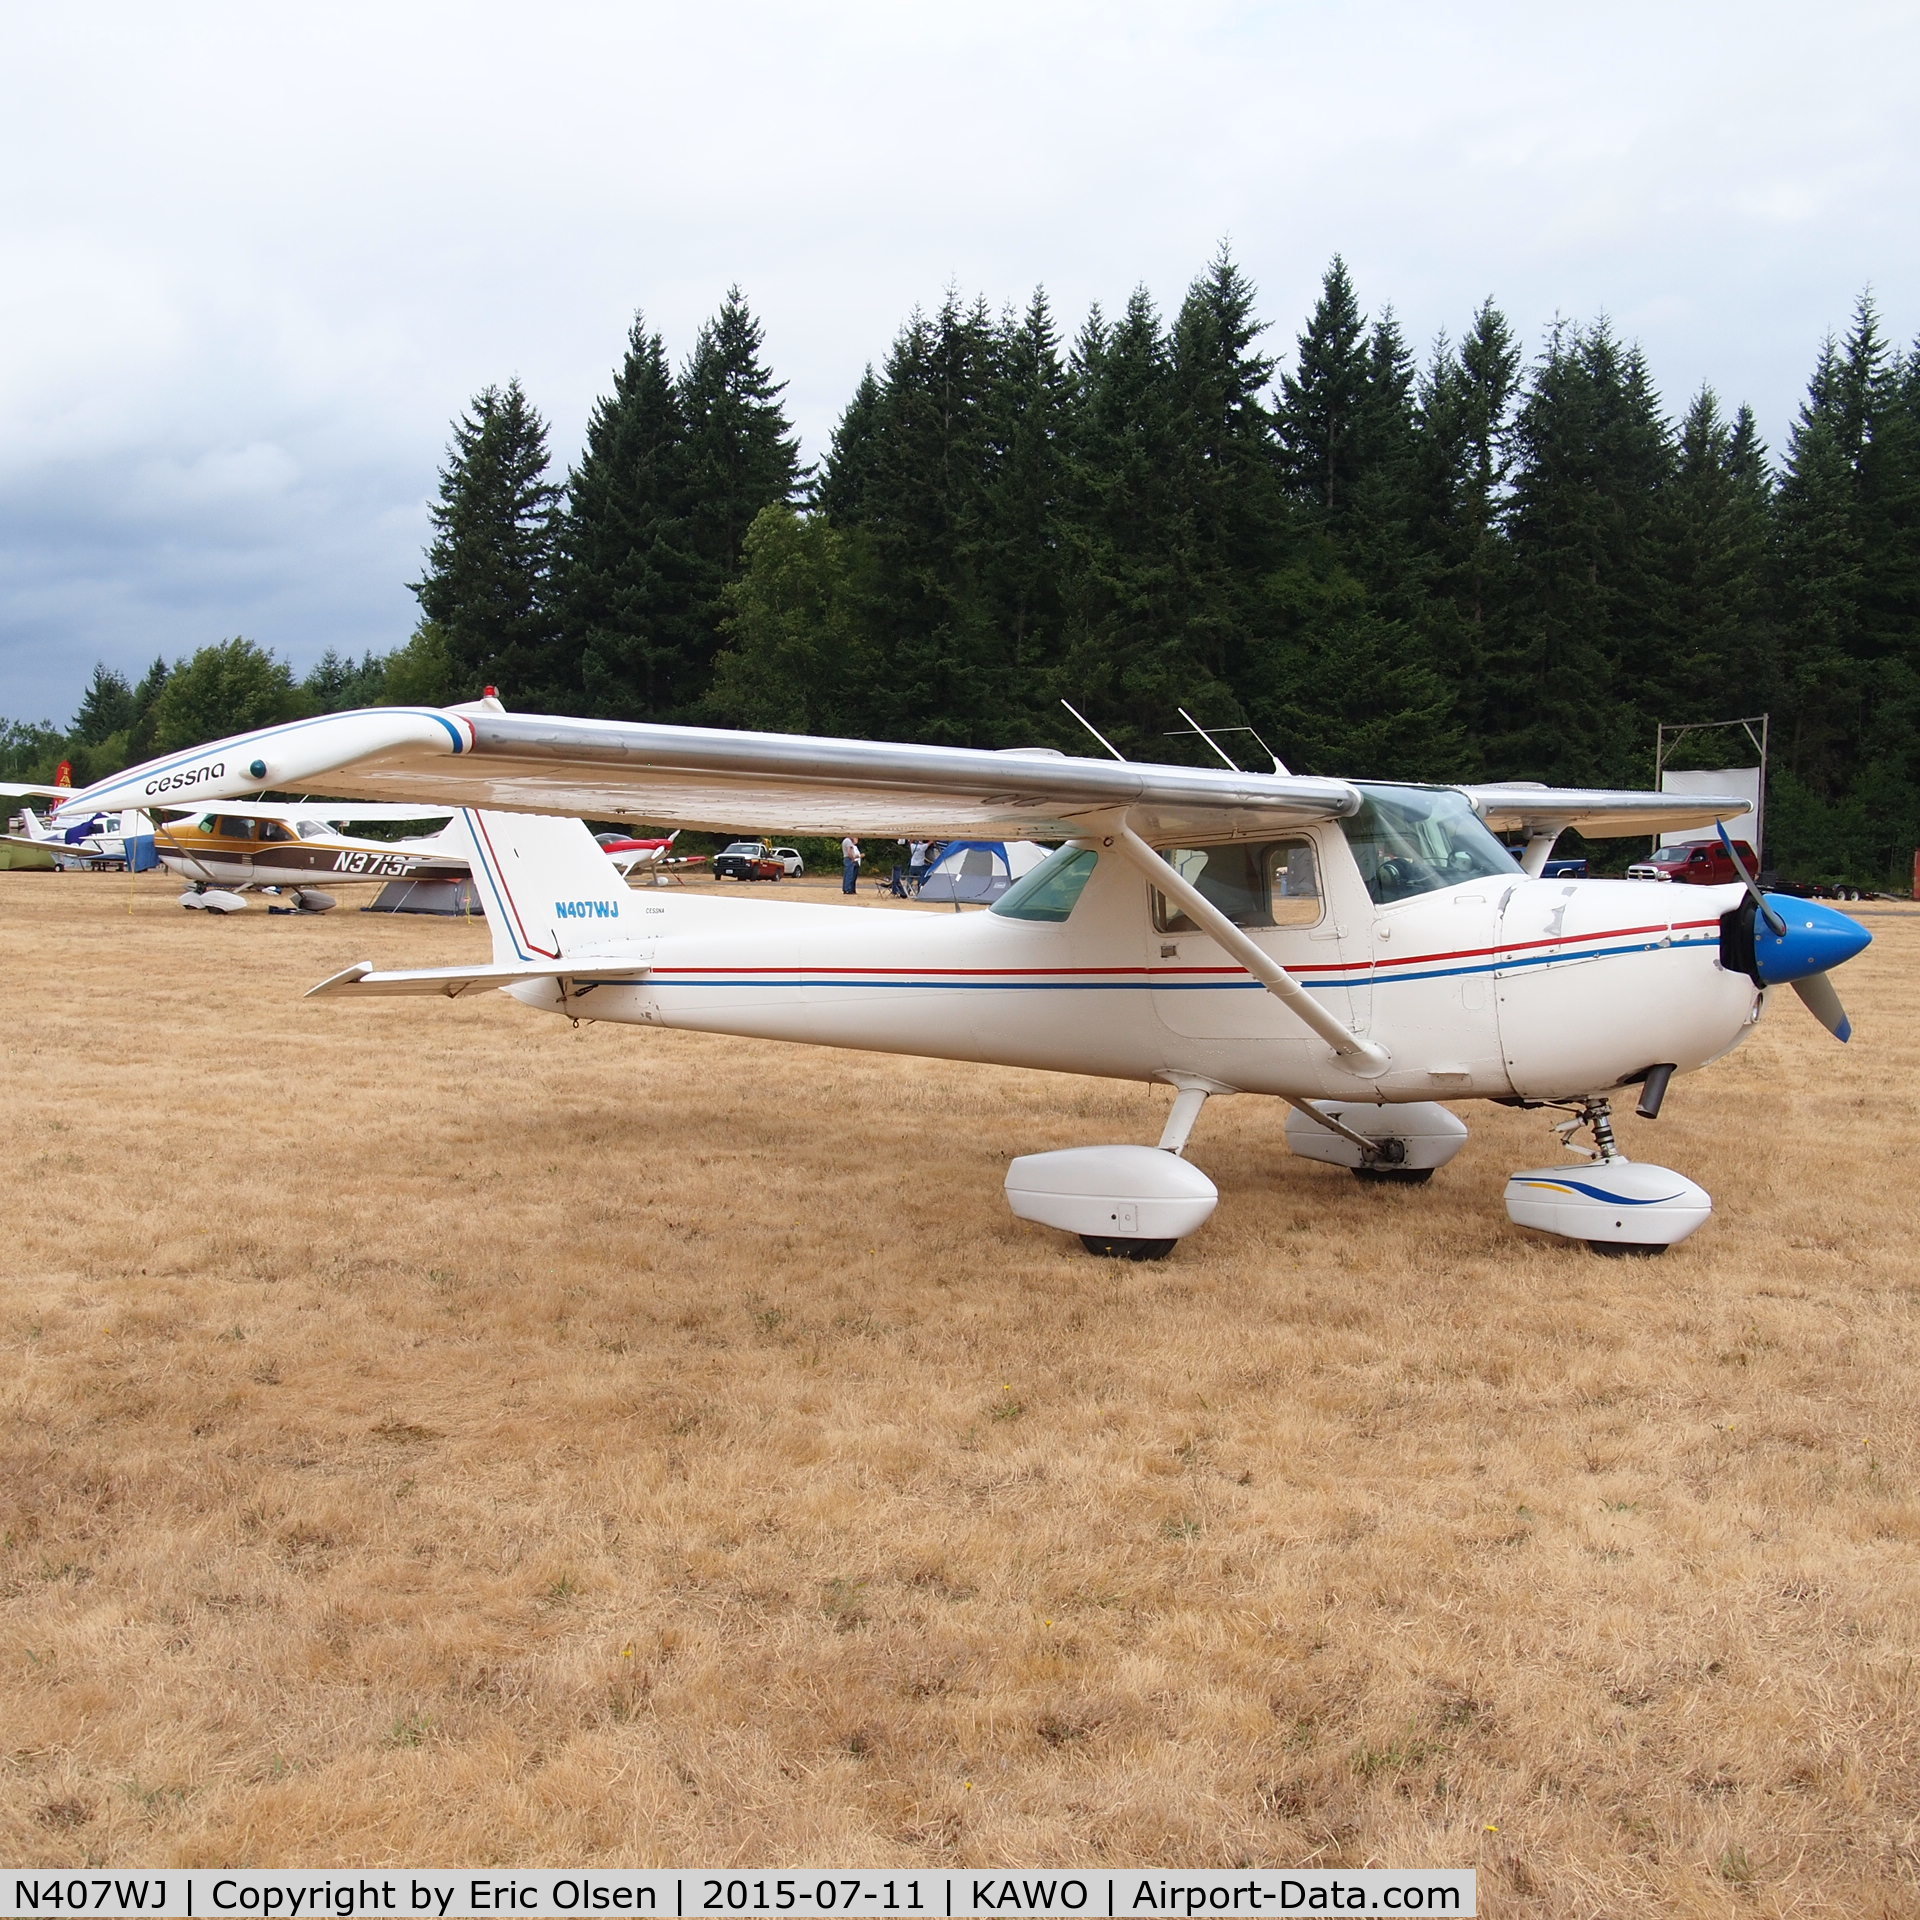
1760,901
1823,1002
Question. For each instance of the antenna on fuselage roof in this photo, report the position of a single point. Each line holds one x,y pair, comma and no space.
1095,731
1194,726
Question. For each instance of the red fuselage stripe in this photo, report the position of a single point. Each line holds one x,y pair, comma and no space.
1348,966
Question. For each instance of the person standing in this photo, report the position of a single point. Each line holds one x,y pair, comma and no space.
916,863
849,864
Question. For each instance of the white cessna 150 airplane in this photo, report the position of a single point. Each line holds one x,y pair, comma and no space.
1358,950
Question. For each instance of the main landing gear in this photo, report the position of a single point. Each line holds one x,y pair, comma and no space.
1138,1203
1384,1145
1125,1203
1618,1206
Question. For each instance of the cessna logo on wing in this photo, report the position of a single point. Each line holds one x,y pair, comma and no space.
587,909
192,776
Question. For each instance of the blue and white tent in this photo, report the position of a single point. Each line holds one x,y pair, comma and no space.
973,872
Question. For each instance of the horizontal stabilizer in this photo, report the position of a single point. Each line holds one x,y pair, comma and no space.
361,981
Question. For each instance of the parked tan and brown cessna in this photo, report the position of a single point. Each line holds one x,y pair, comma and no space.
293,849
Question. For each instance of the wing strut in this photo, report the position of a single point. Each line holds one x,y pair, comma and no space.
1359,1057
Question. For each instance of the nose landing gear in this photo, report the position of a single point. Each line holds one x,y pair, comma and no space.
1616,1205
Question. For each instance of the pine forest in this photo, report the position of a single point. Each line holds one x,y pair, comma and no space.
1460,562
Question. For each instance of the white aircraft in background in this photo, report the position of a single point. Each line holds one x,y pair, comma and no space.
227,853
1361,951
86,842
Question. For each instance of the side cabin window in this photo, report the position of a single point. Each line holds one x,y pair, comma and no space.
1413,840
273,830
1275,884
1051,890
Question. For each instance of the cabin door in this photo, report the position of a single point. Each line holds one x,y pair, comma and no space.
1273,890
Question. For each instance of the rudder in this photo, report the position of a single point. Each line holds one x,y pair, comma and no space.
546,887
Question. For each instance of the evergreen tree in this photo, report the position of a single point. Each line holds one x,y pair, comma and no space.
106,708
925,521
739,456
1464,428
338,683
1820,560
629,644
1559,695
1379,534
1352,681
1232,531
842,490
1715,655
1322,402
486,584
1849,556
1023,587
146,701
1126,659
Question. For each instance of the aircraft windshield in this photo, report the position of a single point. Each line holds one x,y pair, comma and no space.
1051,889
1412,840
313,830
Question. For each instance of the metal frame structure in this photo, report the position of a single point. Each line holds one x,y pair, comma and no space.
1667,735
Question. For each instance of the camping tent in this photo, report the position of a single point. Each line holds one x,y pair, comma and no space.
975,871
453,897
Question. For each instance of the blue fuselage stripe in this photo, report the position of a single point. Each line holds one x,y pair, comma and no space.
1359,978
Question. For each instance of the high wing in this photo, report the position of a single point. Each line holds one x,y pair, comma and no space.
19,790
706,778
480,756
1520,807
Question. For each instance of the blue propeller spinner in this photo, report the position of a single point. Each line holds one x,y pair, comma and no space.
1777,940
1810,939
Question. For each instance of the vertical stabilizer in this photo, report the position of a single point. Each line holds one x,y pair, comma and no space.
548,890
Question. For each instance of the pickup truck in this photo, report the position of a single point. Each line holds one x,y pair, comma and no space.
1695,863
756,860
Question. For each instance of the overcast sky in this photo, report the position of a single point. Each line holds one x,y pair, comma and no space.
256,256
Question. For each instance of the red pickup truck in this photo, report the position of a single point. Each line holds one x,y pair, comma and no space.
1696,863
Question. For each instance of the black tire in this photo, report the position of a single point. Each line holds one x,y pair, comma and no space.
1624,1249
1127,1249
1394,1176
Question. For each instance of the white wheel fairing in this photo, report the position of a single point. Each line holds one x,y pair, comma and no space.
1616,1202
1120,1193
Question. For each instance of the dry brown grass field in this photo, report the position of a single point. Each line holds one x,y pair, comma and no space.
432,1435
